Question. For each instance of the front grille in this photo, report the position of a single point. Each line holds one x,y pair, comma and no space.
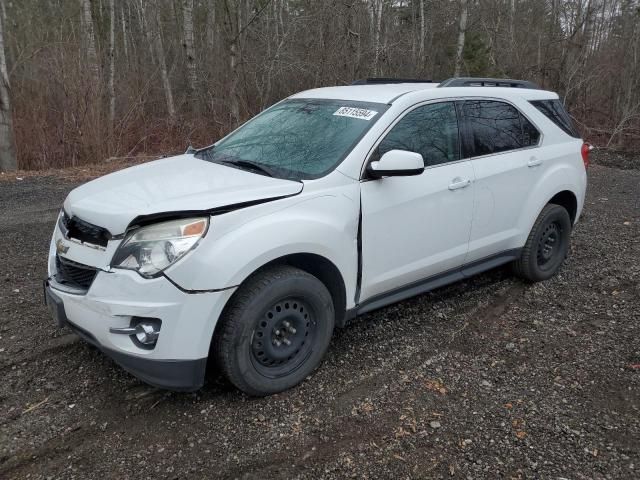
74,274
84,231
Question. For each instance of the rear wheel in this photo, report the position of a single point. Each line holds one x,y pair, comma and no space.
275,331
547,245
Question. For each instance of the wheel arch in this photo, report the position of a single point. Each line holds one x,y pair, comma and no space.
320,267
568,200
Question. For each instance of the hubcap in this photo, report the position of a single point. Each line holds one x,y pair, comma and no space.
548,244
283,337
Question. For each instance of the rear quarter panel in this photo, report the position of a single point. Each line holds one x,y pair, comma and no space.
563,166
564,171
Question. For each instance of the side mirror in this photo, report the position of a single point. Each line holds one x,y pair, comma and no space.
397,163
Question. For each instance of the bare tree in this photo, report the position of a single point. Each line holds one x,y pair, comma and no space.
7,145
112,64
376,27
90,38
233,30
152,15
421,51
125,40
232,58
211,25
189,49
462,31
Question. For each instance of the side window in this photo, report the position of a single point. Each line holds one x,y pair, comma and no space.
530,134
555,112
497,127
431,130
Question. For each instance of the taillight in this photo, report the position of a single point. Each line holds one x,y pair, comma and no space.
586,148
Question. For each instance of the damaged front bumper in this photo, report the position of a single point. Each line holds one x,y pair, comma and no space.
178,359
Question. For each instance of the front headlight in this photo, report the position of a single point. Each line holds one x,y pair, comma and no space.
149,250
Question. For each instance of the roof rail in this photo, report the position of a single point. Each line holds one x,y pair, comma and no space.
381,81
487,82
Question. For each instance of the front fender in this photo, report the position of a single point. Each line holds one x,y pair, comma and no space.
239,243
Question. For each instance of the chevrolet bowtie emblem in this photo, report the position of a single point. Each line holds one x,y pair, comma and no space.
61,247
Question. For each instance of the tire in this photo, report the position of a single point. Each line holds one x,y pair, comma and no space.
547,245
275,331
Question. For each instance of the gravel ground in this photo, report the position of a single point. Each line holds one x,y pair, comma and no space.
488,378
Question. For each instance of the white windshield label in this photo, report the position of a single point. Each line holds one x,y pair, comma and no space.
352,112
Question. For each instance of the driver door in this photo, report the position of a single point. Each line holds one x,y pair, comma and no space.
416,227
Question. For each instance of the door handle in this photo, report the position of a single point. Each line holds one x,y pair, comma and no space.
534,162
458,183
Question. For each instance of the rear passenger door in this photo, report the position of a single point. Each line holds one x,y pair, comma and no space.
501,143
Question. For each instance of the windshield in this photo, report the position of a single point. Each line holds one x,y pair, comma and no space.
297,139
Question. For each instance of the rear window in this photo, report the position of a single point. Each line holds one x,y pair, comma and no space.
555,112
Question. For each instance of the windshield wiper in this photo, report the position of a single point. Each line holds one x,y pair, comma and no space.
258,167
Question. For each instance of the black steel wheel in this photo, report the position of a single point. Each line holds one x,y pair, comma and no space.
284,337
547,245
275,330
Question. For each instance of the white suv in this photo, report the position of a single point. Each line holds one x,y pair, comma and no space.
331,203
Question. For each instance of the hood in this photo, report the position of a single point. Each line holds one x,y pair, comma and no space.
181,183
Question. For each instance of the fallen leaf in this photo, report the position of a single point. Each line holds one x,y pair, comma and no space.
521,434
436,386
33,407
517,423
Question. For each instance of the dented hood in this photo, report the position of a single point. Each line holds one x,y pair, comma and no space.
181,183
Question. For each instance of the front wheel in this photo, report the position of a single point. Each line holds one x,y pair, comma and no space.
275,331
547,245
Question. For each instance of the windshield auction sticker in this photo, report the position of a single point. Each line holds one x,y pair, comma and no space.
352,112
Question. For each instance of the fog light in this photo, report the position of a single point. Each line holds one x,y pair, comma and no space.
146,333
143,331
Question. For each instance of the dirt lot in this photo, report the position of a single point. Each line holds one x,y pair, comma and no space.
489,378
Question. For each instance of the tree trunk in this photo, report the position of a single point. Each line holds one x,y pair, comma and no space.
7,142
153,22
125,42
233,65
112,67
211,27
376,25
145,25
90,38
422,53
189,50
462,31
512,23
233,31
210,52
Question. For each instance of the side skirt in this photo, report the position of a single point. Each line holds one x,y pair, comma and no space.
431,283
